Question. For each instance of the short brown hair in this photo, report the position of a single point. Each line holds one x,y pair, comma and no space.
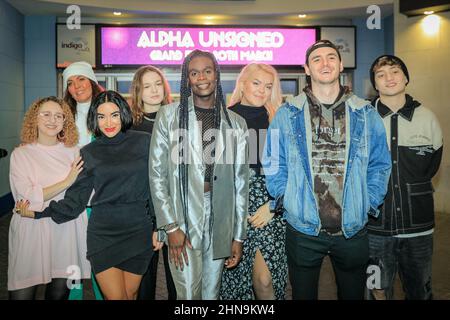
387,60
69,132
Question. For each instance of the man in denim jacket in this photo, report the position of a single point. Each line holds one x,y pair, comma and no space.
327,162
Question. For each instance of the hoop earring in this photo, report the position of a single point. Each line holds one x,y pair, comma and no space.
60,135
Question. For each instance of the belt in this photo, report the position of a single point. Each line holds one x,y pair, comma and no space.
334,234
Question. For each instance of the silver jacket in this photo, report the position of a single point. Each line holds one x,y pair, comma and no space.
230,178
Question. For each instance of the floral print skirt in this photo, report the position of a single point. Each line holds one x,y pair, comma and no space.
270,240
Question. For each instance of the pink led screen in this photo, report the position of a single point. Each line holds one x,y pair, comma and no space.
231,46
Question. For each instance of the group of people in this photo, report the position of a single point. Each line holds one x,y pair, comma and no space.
236,196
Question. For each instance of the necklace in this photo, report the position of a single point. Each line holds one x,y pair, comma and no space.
149,119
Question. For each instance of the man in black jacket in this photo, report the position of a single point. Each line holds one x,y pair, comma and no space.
401,238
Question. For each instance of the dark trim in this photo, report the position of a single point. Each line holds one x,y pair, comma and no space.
417,7
6,204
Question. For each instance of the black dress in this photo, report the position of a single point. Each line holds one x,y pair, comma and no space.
119,232
237,283
147,123
147,289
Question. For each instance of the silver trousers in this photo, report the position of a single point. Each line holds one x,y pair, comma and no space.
200,280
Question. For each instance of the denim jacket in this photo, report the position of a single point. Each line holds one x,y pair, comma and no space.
287,165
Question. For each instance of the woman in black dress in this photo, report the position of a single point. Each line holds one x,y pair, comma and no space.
150,91
262,272
119,235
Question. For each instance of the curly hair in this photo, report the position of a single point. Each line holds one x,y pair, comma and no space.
136,103
69,133
275,99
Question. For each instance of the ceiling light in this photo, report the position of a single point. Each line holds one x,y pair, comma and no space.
117,13
430,24
302,15
428,12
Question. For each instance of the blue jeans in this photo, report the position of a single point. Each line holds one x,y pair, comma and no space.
411,257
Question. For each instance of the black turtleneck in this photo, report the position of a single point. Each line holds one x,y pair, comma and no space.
257,119
117,170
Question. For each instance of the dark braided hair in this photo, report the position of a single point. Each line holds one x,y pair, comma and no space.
219,104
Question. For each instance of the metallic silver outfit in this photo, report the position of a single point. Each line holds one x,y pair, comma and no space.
229,199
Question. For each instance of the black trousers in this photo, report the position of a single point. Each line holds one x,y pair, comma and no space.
148,284
349,258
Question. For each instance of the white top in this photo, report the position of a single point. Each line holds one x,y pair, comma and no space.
81,122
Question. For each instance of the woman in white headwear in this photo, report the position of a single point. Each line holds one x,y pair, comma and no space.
80,86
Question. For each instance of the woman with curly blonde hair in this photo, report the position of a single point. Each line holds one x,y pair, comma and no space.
41,169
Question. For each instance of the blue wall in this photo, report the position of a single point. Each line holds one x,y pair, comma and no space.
370,45
27,66
40,70
11,89
389,34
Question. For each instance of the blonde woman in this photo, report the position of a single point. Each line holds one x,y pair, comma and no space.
262,272
42,168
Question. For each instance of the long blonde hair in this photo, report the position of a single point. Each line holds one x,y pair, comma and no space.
275,100
136,103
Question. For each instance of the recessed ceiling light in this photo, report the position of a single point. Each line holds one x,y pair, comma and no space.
209,17
117,13
428,12
431,24
302,15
